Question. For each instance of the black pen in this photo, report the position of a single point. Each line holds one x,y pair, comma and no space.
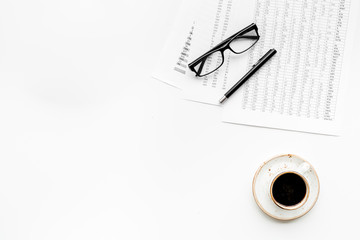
254,68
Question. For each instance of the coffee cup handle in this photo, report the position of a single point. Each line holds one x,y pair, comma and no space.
304,167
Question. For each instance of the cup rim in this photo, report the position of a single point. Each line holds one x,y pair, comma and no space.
298,205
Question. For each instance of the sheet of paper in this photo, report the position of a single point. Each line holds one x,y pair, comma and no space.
200,26
299,89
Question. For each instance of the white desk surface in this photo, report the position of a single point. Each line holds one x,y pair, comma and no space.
93,148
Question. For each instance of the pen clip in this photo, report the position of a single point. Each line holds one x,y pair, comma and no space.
262,57
259,60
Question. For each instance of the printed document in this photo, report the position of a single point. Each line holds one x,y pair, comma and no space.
298,89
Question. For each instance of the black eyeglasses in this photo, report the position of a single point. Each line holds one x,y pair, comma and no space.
213,59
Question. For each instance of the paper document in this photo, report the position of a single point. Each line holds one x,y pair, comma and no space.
299,88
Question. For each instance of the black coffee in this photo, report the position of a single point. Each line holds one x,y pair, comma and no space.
289,189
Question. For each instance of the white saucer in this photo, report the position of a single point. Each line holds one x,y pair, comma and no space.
272,168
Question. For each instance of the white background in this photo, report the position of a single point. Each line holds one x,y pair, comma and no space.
91,147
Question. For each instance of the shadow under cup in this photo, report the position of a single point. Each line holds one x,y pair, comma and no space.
289,190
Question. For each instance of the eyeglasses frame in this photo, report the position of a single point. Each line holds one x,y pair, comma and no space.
222,47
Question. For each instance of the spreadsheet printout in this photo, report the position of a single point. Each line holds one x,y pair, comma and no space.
299,88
